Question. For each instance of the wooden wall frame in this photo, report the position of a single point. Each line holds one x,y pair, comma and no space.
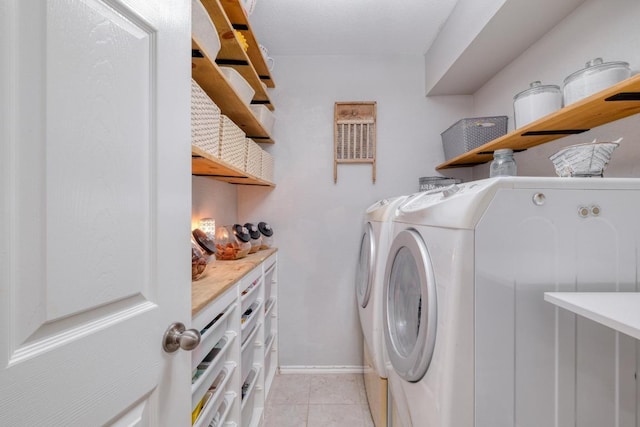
354,135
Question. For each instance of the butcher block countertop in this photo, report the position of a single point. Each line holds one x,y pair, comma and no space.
221,276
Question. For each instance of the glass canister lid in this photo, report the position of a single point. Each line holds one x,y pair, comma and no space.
503,152
204,241
596,66
253,230
241,232
536,88
265,229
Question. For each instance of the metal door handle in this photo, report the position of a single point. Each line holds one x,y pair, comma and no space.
177,336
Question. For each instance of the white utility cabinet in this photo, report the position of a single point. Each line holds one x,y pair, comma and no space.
235,310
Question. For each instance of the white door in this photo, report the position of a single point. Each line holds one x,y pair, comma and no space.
94,211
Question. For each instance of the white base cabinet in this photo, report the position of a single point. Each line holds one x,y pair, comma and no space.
234,365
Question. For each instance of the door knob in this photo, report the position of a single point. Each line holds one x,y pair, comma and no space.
177,336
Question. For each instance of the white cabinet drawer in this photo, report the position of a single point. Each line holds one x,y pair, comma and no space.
248,399
215,361
217,390
248,354
269,315
211,334
269,280
250,290
249,320
222,413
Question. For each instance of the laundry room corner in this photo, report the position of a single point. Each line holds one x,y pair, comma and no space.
319,222
606,29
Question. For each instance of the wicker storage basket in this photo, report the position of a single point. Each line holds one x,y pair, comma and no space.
467,134
267,167
205,121
232,143
253,158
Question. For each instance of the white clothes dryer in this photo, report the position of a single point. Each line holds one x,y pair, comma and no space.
374,248
469,337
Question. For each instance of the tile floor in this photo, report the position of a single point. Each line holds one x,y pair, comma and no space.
322,400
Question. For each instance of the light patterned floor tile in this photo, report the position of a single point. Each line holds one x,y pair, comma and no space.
335,416
286,416
344,389
292,389
321,400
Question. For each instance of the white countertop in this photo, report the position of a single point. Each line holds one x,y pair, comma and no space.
617,310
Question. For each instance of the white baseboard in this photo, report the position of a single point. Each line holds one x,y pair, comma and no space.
321,369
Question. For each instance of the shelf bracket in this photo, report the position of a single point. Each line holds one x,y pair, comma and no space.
624,96
231,62
555,132
515,150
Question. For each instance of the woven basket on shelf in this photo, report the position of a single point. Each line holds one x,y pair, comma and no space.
253,158
266,172
232,143
205,121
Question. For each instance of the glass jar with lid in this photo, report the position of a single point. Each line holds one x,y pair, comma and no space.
232,242
256,237
199,260
536,102
503,163
596,76
267,235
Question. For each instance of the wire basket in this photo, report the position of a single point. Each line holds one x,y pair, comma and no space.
585,160
467,134
205,121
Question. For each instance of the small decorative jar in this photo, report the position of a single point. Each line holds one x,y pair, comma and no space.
503,163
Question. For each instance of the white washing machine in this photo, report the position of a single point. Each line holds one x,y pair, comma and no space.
374,248
469,337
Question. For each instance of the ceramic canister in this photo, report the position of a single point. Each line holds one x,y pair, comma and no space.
535,102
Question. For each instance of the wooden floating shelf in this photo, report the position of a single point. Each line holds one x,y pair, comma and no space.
204,164
231,53
216,85
240,22
614,103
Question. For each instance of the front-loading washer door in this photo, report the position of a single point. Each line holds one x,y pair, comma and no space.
410,315
364,275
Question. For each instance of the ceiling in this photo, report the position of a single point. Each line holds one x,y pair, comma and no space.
348,27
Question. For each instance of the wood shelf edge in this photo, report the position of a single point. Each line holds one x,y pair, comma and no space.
204,164
237,15
233,52
583,115
210,78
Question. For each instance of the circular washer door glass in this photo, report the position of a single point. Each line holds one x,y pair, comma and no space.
364,275
410,306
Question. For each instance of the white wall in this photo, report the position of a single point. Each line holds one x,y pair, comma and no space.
599,28
318,223
213,199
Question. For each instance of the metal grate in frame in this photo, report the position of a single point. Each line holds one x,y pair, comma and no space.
354,135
